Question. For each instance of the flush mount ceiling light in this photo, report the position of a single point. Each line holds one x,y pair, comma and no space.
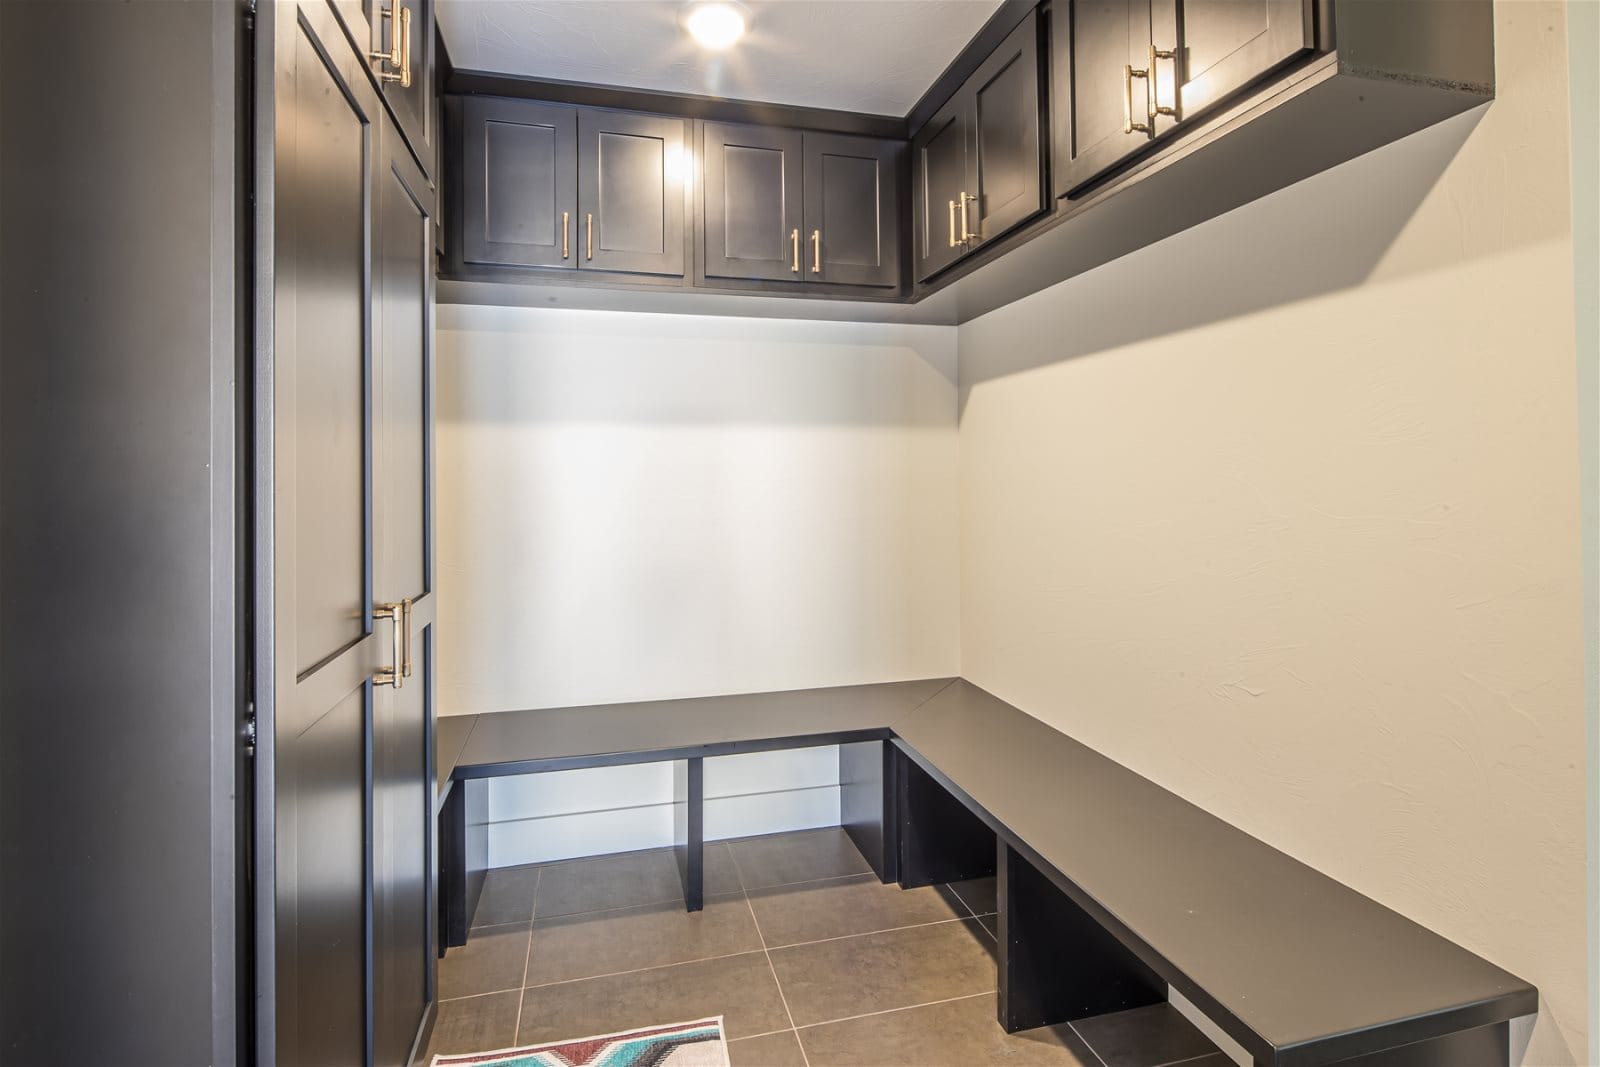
716,24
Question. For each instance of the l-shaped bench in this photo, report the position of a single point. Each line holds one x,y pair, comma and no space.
1110,887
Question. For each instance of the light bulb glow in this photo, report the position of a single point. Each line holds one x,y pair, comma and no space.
715,25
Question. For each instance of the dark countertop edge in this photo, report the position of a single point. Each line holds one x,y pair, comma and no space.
624,757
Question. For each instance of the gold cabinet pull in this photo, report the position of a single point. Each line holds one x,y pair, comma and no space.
1128,125
966,227
794,251
816,251
1156,107
566,219
399,53
405,615
953,223
394,674
588,236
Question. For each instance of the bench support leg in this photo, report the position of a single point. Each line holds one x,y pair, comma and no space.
463,858
867,804
1056,963
1483,1046
940,840
688,821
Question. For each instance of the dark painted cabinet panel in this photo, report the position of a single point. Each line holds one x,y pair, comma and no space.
1221,46
852,208
751,202
631,191
1126,72
940,157
979,161
519,193
1008,180
396,39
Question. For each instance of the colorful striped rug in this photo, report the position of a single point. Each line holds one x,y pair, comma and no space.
696,1044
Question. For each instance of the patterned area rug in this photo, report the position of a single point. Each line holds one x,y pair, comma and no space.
696,1044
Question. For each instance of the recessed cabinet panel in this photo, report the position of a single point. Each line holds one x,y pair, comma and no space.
1228,44
1009,182
1099,101
519,187
940,154
631,188
850,208
751,203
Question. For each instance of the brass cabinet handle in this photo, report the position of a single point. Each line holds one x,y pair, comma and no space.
566,218
1128,125
816,251
966,228
952,224
405,614
588,236
1156,107
399,53
794,251
393,675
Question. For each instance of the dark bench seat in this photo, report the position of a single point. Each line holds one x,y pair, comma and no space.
1110,887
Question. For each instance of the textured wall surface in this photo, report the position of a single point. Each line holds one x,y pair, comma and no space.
1284,513
640,507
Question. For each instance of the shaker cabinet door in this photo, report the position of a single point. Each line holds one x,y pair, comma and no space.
1099,49
940,157
631,192
752,203
1225,45
519,183
1008,180
851,236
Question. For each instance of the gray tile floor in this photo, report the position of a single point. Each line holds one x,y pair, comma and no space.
808,958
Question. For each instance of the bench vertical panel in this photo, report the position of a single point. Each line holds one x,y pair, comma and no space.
940,839
1056,963
463,858
867,804
688,826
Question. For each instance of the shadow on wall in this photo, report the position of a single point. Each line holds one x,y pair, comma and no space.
1319,236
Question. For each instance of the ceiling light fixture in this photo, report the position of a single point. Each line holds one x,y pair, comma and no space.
716,24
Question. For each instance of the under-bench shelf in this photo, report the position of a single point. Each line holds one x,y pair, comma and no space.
1111,889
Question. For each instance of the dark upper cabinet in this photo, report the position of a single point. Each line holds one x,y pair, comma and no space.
939,155
852,207
782,205
1125,72
398,40
753,214
631,191
979,163
519,193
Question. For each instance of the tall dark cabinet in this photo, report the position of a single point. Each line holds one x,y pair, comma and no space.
343,598
1126,72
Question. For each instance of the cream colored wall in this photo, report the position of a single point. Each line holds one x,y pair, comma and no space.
1284,513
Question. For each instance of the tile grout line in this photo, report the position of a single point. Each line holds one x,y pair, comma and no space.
891,1011
782,997
1189,1059
1079,1035
527,959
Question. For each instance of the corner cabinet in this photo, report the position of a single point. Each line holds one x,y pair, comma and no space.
799,207
1127,72
547,185
979,162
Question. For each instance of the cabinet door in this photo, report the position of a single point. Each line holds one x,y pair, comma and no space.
631,174
1226,45
940,156
1100,107
402,736
409,24
519,183
1004,109
851,236
752,202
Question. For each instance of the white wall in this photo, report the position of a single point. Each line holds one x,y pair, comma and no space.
642,507
1283,513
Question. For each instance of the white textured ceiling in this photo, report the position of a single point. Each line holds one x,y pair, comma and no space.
870,56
